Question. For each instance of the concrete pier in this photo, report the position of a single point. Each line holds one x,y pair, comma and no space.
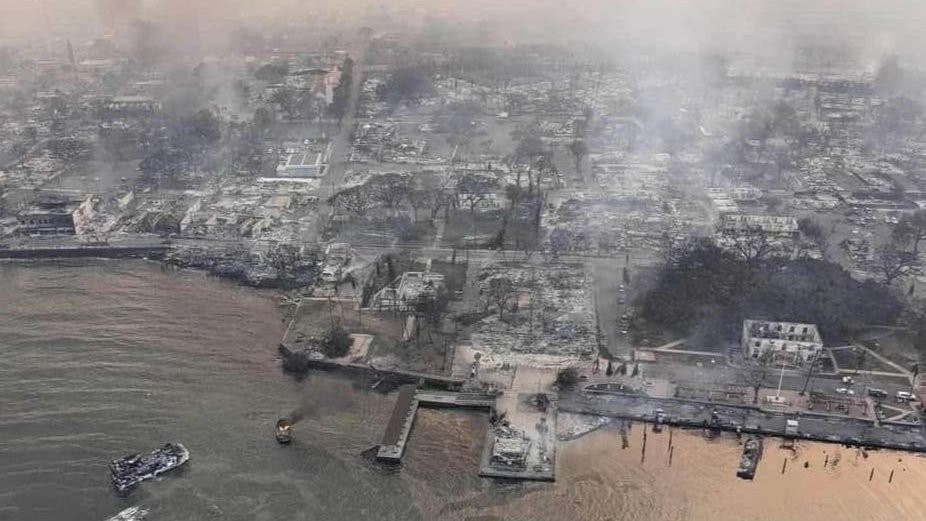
72,252
393,375
400,423
448,399
399,427
525,448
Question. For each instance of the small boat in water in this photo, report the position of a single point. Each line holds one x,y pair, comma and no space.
132,470
284,431
130,514
752,453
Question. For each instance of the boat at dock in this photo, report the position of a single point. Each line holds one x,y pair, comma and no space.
752,453
132,470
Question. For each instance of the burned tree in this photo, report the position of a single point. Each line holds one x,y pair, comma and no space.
892,263
579,150
499,292
755,373
336,342
567,377
813,231
754,245
431,308
69,149
389,189
420,198
409,84
910,230
272,72
356,200
472,189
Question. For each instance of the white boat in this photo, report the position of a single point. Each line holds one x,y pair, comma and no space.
130,514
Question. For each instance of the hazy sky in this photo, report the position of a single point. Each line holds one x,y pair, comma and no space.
763,26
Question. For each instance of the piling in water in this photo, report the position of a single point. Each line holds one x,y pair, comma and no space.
643,452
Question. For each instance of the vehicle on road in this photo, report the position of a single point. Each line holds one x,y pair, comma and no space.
877,393
845,390
660,417
905,396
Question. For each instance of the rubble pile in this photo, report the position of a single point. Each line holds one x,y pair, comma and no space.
552,313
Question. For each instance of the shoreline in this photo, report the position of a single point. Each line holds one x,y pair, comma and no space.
588,407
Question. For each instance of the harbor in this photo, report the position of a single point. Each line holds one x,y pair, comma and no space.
508,451
520,436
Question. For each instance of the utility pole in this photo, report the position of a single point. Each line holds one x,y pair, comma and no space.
813,363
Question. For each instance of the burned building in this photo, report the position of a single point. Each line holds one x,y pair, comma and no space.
788,342
133,105
301,164
54,215
405,292
773,225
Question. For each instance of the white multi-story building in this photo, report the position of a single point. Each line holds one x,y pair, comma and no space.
789,342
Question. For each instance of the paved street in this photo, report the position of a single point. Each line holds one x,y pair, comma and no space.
749,419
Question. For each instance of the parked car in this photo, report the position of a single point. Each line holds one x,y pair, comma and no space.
848,380
904,396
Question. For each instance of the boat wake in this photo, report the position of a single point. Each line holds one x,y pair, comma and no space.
130,514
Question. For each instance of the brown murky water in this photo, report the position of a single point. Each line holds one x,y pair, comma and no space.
597,480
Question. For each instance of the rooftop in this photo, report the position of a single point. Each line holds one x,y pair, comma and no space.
793,331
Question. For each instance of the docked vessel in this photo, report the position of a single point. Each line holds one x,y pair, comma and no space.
132,470
752,453
284,431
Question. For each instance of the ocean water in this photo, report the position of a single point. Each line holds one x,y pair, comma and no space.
102,359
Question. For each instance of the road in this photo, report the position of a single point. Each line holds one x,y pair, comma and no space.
608,278
70,241
341,143
708,376
750,419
